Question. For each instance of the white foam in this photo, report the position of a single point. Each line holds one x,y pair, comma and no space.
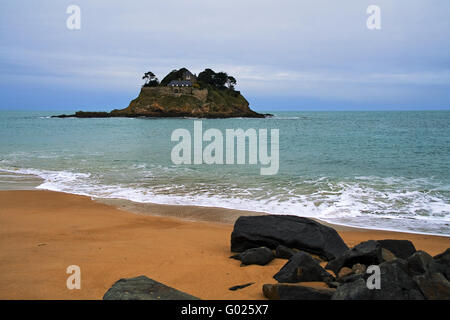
341,203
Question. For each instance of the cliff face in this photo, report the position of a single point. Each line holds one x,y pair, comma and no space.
187,102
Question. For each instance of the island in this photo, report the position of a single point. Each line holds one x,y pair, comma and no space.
183,94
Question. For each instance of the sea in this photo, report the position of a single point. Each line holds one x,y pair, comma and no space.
383,170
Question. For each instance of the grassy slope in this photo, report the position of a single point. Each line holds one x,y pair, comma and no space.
218,102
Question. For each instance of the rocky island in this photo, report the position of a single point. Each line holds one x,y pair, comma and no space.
183,94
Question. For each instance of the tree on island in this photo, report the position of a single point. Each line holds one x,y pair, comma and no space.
218,80
231,82
206,77
150,79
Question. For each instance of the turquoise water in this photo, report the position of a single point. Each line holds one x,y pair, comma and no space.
382,170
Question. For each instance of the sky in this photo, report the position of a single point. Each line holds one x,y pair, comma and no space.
285,55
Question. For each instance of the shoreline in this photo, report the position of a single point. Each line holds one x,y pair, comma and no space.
189,212
198,213
43,232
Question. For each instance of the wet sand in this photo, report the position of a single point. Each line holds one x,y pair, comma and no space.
43,232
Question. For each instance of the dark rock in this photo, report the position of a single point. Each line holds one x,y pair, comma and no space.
283,252
368,253
433,286
441,264
387,255
333,284
143,288
355,290
85,114
400,248
291,231
240,286
396,284
301,267
345,271
295,292
419,263
359,268
350,278
260,256
236,256
443,258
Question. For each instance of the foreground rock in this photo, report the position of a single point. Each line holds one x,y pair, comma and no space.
260,256
367,253
396,284
295,292
400,248
442,264
434,286
419,263
290,231
416,278
283,252
143,288
301,267
443,258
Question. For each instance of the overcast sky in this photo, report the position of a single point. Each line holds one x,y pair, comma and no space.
285,55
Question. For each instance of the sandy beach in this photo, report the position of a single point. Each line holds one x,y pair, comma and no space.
43,232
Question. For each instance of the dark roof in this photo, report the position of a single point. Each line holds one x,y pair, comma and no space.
180,83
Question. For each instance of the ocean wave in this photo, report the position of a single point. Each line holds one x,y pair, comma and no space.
370,202
275,117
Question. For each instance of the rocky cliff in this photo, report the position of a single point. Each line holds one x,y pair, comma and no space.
188,102
181,102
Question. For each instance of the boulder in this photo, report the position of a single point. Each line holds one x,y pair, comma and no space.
301,267
418,263
400,248
283,252
433,286
143,288
367,253
441,264
260,256
354,290
387,255
344,272
334,284
443,258
359,268
350,278
396,284
295,292
290,231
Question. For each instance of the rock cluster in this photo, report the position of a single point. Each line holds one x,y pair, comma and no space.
404,273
